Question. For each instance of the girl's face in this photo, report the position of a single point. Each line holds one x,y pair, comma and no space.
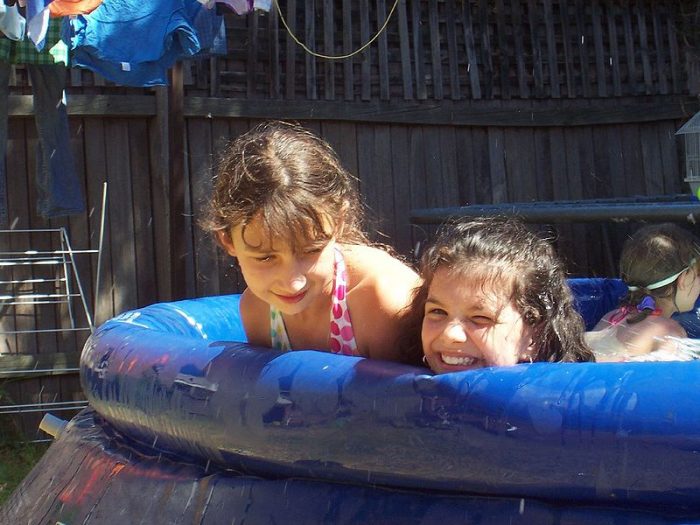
289,277
467,327
688,289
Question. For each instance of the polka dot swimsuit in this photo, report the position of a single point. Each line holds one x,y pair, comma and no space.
342,337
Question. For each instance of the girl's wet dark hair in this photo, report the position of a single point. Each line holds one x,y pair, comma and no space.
291,179
498,250
651,254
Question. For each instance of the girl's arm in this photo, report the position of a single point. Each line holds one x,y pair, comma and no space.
651,335
255,315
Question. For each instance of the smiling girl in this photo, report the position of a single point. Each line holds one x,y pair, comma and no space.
495,294
288,211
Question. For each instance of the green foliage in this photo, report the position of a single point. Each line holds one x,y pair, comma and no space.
16,457
16,460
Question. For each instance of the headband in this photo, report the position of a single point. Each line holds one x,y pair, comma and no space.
665,281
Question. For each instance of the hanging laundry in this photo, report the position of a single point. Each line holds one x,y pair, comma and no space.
134,42
243,7
59,8
12,24
37,15
58,185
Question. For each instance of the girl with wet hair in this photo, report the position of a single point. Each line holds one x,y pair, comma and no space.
289,212
495,294
659,264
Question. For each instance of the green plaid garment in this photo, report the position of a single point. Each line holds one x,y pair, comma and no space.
24,52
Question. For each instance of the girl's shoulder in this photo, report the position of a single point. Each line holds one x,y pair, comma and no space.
372,261
663,326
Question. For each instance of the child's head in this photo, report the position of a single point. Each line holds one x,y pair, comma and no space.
289,180
661,260
494,293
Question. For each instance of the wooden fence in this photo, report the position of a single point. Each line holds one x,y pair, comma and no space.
455,103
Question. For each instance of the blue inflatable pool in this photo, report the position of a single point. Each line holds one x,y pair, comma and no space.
188,425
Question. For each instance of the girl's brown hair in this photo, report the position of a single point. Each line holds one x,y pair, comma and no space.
650,255
291,179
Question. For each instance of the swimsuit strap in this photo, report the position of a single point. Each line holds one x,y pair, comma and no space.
647,303
619,316
342,336
278,332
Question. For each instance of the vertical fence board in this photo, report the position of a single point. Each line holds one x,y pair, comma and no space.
435,55
541,167
537,67
644,48
382,179
551,50
79,228
200,155
582,48
400,170
472,57
291,52
634,170
518,40
660,64
418,53
383,53
252,49
520,165
366,159
670,158
146,282
310,40
503,50
482,166
452,57
614,50
405,47
417,178
160,189
328,49
674,56
499,183
18,204
465,162
348,78
274,55
630,50
600,62
448,171
566,45
651,160
121,219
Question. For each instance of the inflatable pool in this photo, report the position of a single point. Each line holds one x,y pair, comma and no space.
190,424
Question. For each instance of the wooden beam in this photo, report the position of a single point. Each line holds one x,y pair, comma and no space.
443,113
35,365
679,208
91,105
176,160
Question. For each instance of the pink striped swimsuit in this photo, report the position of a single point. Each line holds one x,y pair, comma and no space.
341,337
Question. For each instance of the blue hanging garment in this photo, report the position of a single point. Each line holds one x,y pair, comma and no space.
37,15
133,43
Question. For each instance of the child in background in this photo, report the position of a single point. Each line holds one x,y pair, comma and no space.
659,264
288,211
495,294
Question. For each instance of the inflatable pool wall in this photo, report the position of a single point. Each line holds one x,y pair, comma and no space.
617,441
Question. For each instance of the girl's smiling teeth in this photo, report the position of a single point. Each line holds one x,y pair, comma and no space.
454,360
